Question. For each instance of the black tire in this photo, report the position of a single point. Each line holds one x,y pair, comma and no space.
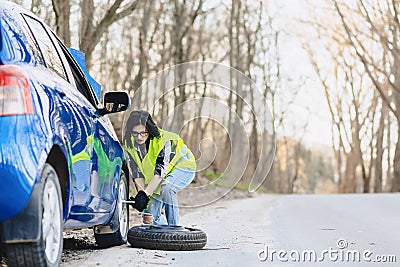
120,220
167,237
47,251
2,248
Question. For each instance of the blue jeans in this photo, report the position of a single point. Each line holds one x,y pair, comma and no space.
168,199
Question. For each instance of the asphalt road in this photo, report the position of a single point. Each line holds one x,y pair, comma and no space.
280,230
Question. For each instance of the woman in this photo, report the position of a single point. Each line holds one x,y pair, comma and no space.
161,165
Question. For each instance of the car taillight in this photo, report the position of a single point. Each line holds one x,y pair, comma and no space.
15,96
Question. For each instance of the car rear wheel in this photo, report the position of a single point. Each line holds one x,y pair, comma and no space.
119,221
48,249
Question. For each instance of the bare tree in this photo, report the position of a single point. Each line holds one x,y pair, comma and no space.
381,63
159,34
347,94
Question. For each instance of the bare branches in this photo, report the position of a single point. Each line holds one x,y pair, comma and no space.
365,62
93,34
124,50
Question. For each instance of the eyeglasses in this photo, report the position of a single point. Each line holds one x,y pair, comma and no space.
143,134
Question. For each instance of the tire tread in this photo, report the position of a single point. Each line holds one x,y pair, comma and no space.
25,254
195,239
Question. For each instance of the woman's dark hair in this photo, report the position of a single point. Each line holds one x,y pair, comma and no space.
141,117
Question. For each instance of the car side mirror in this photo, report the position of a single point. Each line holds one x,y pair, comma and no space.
115,102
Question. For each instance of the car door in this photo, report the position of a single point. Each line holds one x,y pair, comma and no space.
74,121
107,155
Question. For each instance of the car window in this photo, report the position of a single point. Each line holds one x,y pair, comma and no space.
58,59
49,52
18,45
64,61
80,82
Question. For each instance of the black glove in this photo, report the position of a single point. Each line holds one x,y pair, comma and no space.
141,201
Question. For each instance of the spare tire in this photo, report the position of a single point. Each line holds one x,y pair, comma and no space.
167,237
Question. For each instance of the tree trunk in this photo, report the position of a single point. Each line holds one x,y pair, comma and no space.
379,150
350,174
396,164
61,10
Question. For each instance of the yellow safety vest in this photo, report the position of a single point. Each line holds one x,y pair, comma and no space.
183,158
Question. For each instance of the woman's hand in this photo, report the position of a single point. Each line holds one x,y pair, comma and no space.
141,200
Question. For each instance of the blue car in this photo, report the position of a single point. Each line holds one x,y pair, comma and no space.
61,164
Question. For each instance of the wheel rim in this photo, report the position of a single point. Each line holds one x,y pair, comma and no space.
51,221
122,209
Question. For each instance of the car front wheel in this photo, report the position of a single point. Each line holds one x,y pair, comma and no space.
48,249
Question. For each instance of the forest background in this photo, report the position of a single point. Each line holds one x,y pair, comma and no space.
329,71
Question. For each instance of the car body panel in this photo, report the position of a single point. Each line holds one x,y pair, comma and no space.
63,117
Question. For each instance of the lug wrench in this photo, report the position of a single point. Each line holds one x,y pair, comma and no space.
128,201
